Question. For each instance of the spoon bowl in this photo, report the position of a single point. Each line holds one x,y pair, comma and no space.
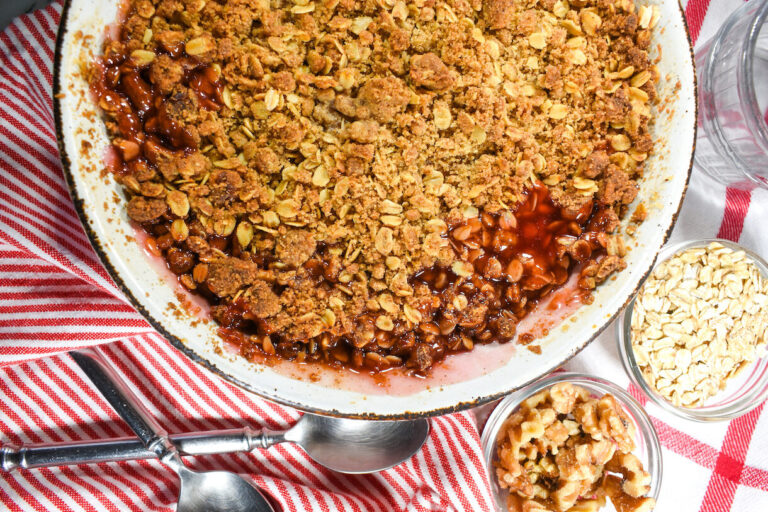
357,446
218,491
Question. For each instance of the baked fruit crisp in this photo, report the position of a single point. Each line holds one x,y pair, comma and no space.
377,184
566,450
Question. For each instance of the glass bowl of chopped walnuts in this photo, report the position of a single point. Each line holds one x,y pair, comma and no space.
694,338
572,442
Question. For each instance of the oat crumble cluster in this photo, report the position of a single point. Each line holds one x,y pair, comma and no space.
345,180
566,450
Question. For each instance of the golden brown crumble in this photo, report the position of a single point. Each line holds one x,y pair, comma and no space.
300,163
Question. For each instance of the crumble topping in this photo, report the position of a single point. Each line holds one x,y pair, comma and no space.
326,172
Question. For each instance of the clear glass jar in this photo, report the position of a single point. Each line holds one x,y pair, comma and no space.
742,393
648,448
732,70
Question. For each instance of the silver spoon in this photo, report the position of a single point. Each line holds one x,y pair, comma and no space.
344,445
355,446
211,491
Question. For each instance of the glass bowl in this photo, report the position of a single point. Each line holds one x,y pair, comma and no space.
742,393
732,138
648,449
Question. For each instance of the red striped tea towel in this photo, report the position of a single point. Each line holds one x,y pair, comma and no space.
55,296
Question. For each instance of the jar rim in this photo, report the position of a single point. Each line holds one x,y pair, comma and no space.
755,119
743,50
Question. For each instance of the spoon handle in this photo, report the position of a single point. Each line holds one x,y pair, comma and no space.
127,405
125,448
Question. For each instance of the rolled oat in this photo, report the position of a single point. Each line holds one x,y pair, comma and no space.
698,321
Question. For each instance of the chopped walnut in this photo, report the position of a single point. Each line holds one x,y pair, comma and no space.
564,397
564,450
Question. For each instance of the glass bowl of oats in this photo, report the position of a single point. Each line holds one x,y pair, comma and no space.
572,442
694,338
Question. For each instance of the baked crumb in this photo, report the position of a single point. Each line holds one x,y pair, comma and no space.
299,164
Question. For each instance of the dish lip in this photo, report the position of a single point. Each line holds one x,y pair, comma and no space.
643,423
746,402
274,397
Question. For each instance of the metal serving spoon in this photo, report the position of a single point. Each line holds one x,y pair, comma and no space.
211,491
344,445
355,446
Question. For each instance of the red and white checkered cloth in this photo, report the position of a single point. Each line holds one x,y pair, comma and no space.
55,296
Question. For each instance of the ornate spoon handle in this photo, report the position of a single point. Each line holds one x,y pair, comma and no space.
129,448
135,414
